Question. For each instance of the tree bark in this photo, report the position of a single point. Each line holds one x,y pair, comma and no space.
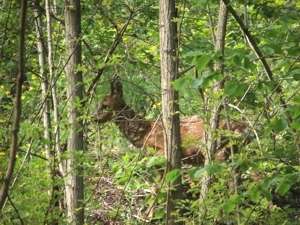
74,171
57,162
53,87
44,85
170,107
215,116
50,154
17,107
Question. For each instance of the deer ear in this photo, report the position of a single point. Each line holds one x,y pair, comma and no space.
116,86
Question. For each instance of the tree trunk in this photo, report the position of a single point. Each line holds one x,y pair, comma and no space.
74,171
50,154
43,74
17,108
53,87
170,108
60,165
215,116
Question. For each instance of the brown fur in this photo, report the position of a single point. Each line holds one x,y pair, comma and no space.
141,132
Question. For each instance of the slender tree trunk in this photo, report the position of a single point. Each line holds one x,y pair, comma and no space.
74,171
58,152
215,116
54,7
43,74
53,87
50,154
170,108
17,107
246,18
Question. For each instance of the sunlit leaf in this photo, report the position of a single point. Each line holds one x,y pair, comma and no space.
173,175
231,203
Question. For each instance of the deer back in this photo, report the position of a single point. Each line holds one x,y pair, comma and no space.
192,131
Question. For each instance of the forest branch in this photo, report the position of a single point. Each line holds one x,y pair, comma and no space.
116,42
17,108
259,54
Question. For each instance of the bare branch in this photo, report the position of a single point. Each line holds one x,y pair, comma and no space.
259,55
17,107
116,42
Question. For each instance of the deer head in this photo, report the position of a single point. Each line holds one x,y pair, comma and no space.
111,103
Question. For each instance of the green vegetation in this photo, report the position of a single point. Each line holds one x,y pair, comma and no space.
258,183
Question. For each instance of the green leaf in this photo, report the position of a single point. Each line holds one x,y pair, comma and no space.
253,193
204,81
193,53
236,60
173,175
296,125
196,173
278,124
283,187
230,205
284,183
214,168
181,83
235,88
201,62
156,161
251,98
296,74
200,2
159,214
295,111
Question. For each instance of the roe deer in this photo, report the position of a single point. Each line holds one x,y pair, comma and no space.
141,132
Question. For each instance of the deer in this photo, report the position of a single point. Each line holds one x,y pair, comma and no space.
146,133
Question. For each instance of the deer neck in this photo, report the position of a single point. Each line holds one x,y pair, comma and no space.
133,126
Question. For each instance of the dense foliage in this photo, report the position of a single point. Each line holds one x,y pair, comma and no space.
125,184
